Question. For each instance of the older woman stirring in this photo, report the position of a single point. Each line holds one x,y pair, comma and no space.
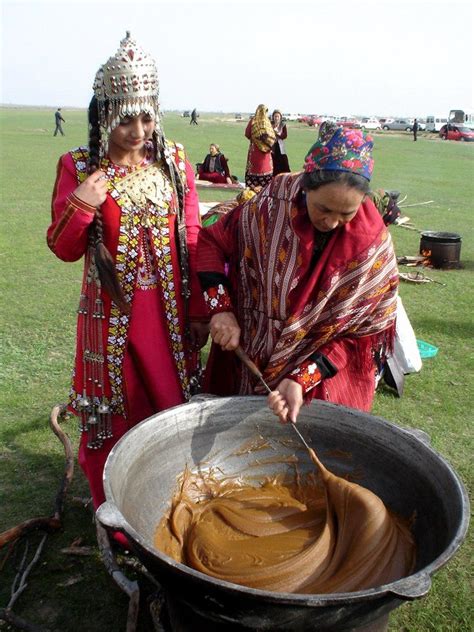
312,282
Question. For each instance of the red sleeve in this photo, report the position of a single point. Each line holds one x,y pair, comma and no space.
340,351
307,375
217,299
248,129
197,307
67,236
355,353
215,246
216,243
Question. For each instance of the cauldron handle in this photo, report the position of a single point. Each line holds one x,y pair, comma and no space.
109,516
413,587
421,435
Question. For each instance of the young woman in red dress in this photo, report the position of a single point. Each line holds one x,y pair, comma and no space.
127,204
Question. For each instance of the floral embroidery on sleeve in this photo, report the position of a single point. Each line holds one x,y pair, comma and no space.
218,299
307,375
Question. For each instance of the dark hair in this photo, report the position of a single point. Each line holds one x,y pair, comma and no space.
103,259
320,177
180,225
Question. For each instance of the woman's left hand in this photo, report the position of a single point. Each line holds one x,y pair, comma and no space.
286,400
198,333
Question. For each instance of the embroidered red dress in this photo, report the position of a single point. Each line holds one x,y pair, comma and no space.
312,307
147,364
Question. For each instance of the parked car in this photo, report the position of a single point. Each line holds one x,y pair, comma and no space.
310,119
370,123
398,124
350,123
457,132
290,117
238,116
186,114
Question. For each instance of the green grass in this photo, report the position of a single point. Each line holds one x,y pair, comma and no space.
37,321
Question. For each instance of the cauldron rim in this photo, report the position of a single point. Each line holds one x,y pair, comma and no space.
441,236
408,587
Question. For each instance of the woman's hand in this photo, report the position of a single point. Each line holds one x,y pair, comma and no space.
198,334
225,330
286,400
93,191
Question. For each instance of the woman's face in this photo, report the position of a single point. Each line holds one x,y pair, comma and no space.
277,118
213,150
332,205
132,133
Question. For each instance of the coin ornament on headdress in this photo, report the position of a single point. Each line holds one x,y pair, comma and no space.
128,84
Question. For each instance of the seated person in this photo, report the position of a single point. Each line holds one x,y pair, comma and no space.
214,168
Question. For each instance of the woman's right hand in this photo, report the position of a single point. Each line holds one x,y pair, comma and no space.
286,400
93,191
225,330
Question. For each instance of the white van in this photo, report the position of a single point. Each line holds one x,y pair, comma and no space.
434,122
462,117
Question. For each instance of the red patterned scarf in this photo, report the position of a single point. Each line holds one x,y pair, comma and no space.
290,308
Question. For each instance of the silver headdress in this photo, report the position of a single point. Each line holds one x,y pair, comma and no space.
126,85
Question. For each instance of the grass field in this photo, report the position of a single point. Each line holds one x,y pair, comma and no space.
39,298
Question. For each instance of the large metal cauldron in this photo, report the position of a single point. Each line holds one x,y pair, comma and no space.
398,465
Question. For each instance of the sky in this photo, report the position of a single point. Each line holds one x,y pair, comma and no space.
341,57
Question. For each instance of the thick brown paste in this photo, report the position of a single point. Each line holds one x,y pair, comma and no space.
321,535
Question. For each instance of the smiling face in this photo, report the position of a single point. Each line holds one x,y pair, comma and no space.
132,133
213,150
276,119
332,205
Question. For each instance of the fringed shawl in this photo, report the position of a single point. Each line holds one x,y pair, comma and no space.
261,124
288,308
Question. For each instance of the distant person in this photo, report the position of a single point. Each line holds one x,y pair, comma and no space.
280,159
194,117
58,119
214,168
415,129
259,170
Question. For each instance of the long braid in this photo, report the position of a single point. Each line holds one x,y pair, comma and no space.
103,258
178,186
